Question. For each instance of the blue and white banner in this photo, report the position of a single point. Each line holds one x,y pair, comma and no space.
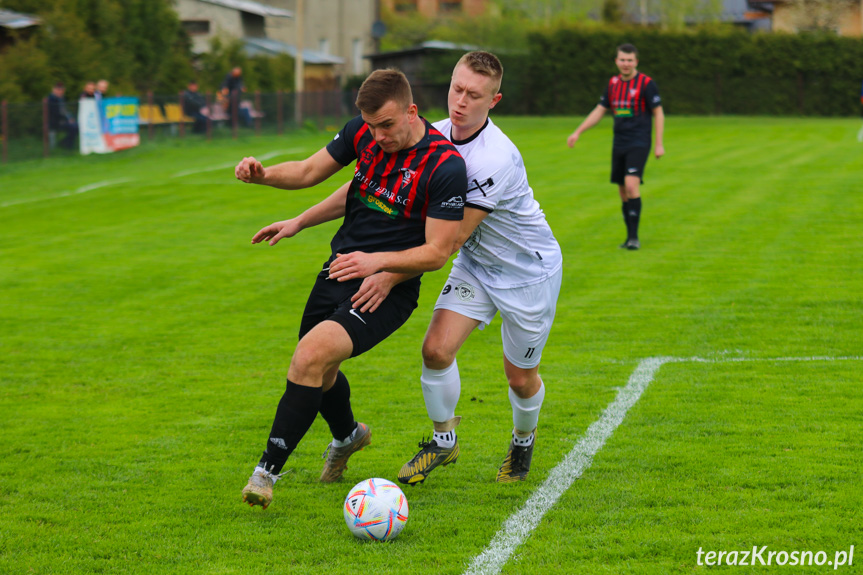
107,125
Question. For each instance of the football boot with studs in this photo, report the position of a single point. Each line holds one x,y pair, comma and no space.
516,464
337,457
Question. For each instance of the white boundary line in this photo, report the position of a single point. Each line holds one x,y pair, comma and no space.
81,190
225,166
519,525
107,183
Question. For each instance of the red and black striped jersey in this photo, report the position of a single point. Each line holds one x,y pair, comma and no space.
391,195
632,102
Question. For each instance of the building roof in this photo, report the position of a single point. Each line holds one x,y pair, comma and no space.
16,20
252,7
269,47
427,46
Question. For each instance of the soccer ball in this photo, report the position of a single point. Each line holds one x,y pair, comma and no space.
376,509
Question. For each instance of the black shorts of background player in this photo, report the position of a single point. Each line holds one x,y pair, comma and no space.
634,101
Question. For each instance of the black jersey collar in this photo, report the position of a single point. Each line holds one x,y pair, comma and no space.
473,137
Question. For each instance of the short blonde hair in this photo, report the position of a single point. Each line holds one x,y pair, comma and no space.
486,64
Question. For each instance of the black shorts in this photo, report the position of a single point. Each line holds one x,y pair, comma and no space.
628,162
331,300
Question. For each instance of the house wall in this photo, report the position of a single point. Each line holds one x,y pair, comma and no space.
341,28
223,21
850,21
434,8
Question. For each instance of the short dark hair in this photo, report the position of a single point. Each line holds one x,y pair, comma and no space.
59,85
628,49
383,86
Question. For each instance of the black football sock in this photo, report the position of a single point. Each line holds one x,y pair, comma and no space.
295,414
336,408
634,213
625,209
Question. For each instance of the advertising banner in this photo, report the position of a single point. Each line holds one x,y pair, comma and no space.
121,122
107,125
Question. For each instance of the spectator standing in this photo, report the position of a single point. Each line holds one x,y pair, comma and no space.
231,88
59,118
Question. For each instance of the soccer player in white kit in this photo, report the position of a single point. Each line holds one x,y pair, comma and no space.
509,262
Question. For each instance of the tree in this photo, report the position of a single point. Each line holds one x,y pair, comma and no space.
138,45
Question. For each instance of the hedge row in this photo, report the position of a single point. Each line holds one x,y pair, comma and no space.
704,72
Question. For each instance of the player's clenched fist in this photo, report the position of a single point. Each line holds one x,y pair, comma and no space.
250,170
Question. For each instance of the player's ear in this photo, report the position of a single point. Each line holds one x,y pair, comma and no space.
495,100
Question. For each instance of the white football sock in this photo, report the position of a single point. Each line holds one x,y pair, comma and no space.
445,439
347,440
522,439
441,391
525,412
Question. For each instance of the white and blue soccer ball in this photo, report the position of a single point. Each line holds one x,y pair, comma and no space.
376,509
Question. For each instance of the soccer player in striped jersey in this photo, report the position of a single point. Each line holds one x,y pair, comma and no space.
509,262
634,100
402,213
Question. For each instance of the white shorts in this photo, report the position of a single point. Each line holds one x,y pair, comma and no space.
526,312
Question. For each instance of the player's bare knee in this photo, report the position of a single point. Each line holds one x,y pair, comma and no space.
308,362
524,384
436,356
520,384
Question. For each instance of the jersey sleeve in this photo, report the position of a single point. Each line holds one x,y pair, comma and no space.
485,186
604,101
651,95
342,147
447,189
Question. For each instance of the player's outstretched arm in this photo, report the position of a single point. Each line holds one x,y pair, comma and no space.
590,121
332,208
659,125
289,175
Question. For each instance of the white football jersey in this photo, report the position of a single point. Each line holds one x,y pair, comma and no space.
513,246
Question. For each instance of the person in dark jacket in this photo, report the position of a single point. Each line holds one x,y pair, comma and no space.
59,118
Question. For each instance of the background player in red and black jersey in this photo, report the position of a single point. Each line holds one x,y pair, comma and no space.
634,100
402,214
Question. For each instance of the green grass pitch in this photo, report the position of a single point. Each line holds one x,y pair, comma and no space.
144,344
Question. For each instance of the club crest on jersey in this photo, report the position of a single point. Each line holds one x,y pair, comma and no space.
465,291
367,156
633,91
407,175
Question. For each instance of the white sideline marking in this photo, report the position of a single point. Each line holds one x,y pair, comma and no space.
741,359
225,166
519,525
105,184
81,190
